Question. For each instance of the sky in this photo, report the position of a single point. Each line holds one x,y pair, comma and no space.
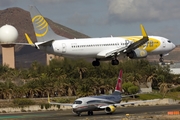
103,18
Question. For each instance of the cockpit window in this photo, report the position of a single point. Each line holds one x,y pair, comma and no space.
169,41
78,102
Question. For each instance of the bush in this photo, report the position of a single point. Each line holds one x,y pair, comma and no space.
47,106
23,102
133,89
126,85
42,106
62,100
22,110
176,89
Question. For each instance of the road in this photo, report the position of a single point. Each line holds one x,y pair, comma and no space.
68,115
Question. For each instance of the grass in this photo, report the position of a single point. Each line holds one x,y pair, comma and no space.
172,95
150,96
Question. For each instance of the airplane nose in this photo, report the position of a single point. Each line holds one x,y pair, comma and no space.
173,46
74,106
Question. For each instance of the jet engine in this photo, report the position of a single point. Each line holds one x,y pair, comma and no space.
137,53
110,109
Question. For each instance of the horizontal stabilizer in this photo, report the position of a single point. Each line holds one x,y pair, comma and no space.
46,43
28,39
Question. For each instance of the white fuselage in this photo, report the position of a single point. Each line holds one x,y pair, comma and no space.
91,47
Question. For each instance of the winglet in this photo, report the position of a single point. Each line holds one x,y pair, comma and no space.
144,34
48,98
28,39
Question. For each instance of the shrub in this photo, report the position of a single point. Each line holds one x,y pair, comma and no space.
178,89
58,106
42,106
23,102
22,110
126,85
62,100
47,106
133,89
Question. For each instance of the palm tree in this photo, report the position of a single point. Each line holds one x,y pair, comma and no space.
81,71
163,88
7,89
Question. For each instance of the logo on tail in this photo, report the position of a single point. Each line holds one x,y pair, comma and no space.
40,25
119,82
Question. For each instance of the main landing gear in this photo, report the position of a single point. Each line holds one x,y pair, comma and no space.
90,112
79,113
96,63
113,62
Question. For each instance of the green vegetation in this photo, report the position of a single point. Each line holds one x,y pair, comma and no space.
150,96
23,102
172,95
71,77
63,100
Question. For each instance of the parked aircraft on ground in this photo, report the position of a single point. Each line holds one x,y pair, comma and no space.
107,48
102,102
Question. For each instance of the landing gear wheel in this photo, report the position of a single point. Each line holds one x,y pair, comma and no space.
79,114
109,113
161,60
96,63
90,112
115,62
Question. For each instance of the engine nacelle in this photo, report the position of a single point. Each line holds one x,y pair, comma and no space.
110,109
137,53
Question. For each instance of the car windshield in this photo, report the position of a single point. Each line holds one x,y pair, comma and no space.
78,102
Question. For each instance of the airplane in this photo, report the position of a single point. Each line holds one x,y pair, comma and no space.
100,49
108,103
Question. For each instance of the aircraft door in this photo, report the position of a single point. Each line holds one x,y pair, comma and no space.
163,43
63,48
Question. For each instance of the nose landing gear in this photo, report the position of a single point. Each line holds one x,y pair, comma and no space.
161,59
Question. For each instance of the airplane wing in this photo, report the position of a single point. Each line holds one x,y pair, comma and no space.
134,102
140,42
133,46
128,103
62,104
56,103
110,52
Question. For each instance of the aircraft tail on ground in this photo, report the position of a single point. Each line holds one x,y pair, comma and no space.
118,88
42,30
